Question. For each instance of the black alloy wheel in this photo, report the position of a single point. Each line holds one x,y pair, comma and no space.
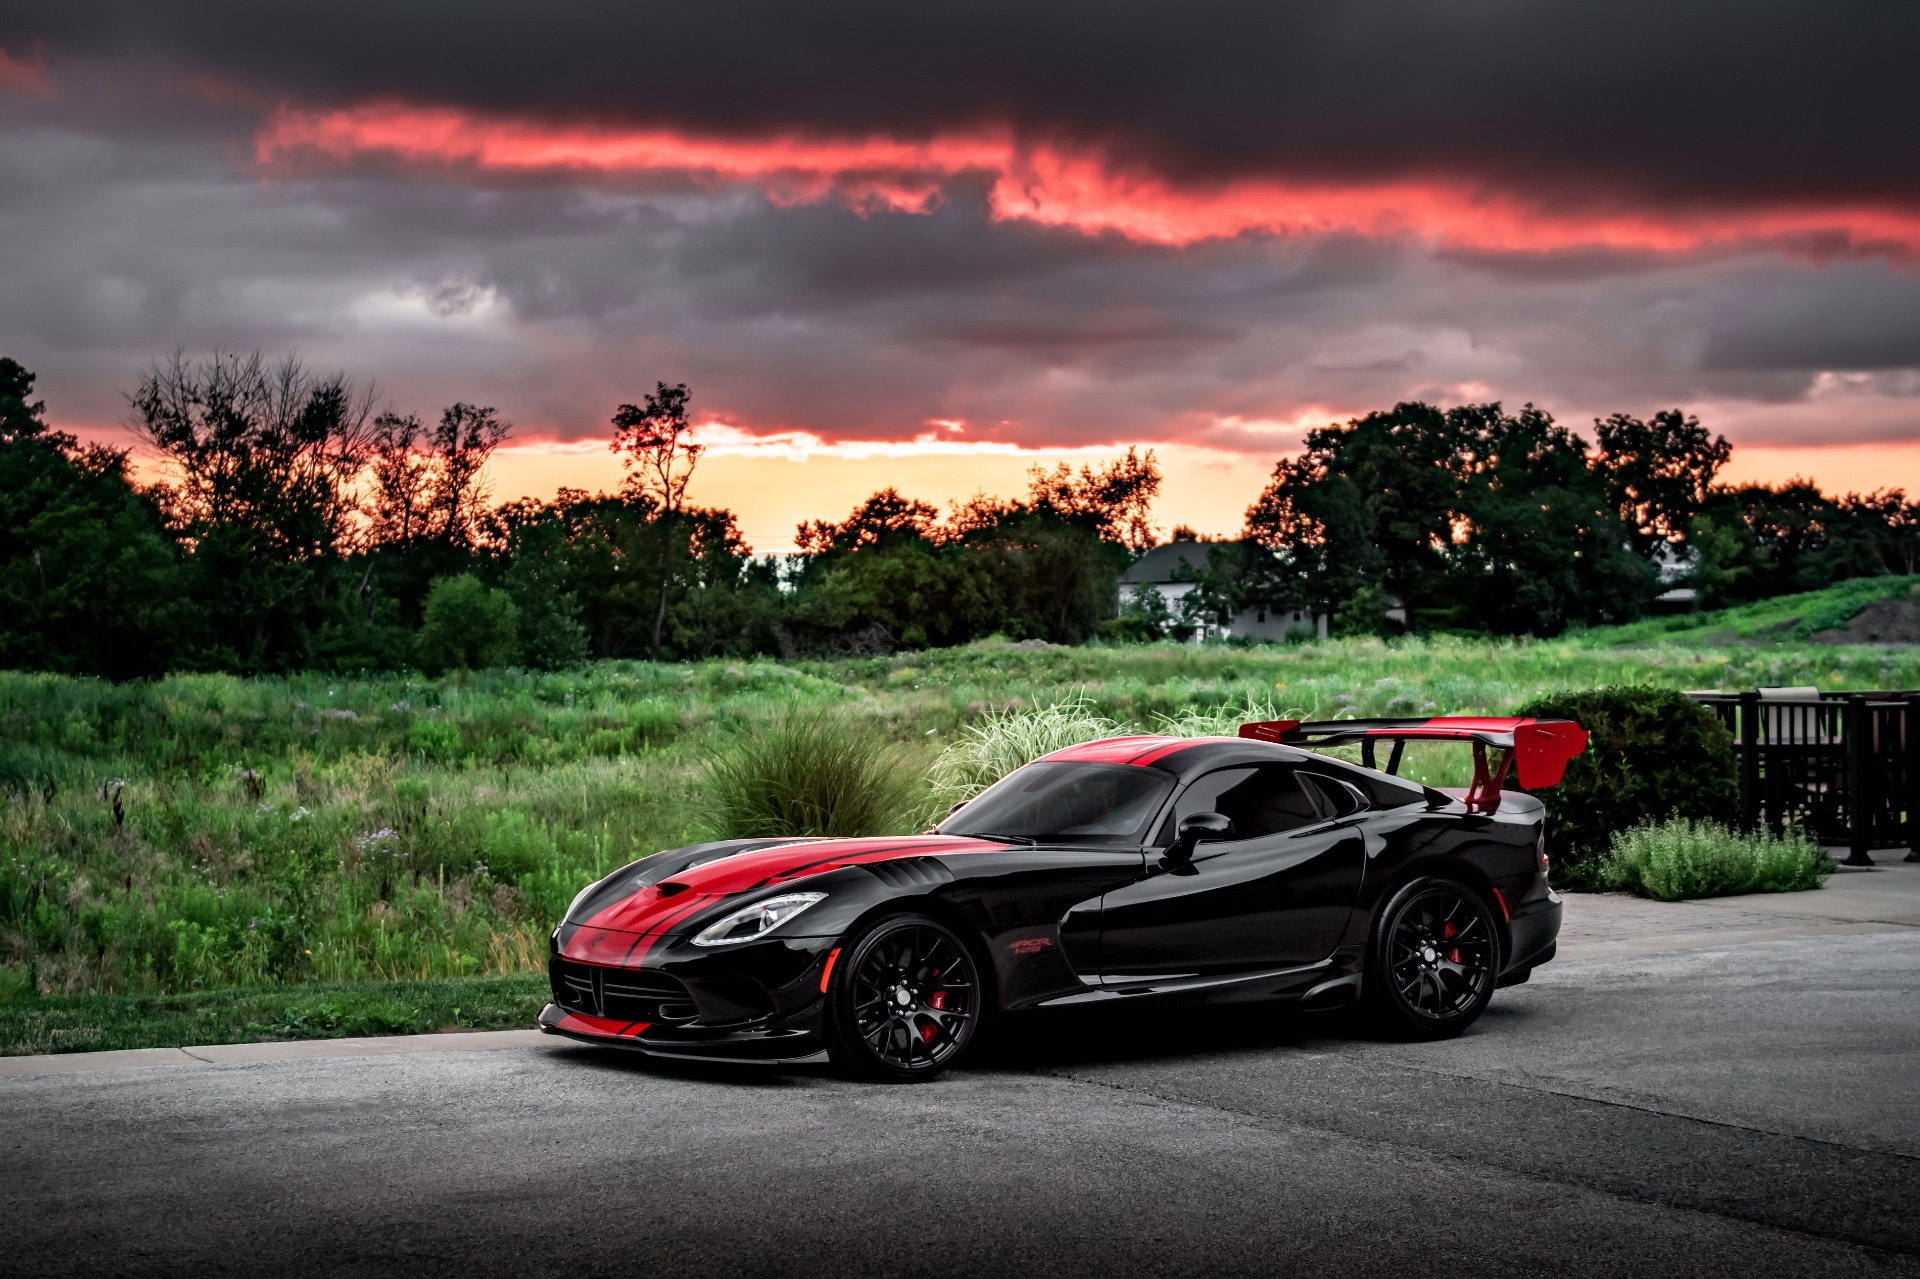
1434,960
904,1001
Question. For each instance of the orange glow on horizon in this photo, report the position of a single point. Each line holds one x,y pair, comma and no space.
1206,489
1078,190
772,489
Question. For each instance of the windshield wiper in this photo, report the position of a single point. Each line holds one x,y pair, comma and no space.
999,838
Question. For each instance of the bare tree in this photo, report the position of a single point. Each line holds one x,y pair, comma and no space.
428,481
264,461
248,440
402,478
660,457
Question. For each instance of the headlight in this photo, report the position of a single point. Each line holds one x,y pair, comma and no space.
756,920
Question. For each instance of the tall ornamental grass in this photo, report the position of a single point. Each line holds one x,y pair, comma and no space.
811,770
996,744
1677,859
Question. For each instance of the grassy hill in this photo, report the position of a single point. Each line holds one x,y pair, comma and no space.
1785,619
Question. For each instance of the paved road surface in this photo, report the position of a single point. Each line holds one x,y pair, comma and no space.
1734,1096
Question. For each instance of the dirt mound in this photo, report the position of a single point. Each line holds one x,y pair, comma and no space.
1888,622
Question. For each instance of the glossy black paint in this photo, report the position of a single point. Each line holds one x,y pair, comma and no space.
1276,916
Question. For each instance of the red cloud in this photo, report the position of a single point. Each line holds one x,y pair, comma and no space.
29,76
1080,190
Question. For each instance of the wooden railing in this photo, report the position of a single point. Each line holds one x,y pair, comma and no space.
1842,766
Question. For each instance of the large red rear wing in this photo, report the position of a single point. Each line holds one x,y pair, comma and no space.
1538,748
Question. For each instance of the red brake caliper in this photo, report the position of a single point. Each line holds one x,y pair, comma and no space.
938,1002
1453,956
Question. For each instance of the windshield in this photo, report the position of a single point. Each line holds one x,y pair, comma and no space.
1066,804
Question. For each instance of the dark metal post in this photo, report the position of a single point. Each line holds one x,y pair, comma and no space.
1749,762
1858,727
1910,772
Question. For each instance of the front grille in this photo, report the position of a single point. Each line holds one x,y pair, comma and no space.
623,994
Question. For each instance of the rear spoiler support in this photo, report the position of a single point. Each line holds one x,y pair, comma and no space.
1538,748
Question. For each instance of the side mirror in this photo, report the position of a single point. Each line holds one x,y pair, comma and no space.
1194,828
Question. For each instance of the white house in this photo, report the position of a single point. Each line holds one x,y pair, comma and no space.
1161,569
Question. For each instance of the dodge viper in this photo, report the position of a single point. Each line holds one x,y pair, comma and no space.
1212,869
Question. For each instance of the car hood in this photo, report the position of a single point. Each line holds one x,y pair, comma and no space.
620,932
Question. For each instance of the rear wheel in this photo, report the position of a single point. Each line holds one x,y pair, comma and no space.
1434,960
905,1002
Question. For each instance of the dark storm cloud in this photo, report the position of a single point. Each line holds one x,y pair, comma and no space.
134,217
1772,100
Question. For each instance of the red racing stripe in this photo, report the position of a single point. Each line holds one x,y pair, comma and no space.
607,1027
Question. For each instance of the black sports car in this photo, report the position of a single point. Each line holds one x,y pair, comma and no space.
1220,869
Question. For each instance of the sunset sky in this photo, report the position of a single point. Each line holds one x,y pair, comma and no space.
930,244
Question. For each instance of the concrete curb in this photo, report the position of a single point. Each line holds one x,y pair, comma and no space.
298,1050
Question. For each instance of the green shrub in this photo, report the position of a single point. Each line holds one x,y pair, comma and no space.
1679,859
16,986
995,745
1652,754
810,771
1362,614
467,626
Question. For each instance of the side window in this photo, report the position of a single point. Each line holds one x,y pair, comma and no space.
1261,801
1203,796
1339,799
1274,800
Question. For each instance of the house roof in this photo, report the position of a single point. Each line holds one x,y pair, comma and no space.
1162,562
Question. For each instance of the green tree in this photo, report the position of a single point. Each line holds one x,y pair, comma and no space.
1362,615
1658,473
537,581
1471,516
1315,531
89,581
467,626
1538,545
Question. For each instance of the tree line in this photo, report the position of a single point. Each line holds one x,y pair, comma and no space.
301,524
1477,519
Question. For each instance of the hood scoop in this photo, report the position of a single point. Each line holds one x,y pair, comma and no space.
672,889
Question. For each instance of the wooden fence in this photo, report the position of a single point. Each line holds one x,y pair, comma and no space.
1842,765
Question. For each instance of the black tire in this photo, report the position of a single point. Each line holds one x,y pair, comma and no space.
905,1000
1433,960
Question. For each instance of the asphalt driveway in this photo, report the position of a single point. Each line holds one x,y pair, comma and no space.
1730,1096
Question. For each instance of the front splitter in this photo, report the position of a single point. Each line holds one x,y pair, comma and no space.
554,1021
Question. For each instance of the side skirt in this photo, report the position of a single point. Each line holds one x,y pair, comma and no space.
1110,989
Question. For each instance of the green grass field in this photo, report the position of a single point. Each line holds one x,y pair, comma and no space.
169,844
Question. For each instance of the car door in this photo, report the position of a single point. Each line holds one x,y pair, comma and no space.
1276,896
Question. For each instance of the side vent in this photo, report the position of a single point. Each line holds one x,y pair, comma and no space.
910,872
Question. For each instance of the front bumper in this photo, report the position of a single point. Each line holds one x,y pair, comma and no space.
764,1045
761,1001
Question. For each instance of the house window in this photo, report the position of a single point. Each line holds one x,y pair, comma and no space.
1262,616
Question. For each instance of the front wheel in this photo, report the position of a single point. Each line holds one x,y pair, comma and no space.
1434,960
905,1001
